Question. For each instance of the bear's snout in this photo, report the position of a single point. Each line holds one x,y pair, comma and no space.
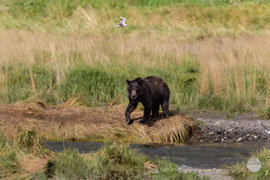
133,94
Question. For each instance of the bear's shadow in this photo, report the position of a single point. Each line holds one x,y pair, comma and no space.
152,121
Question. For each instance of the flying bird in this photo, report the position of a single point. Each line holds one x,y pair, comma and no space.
122,23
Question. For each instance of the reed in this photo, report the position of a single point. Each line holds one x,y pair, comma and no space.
213,54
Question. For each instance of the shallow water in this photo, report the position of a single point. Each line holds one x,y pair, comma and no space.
203,156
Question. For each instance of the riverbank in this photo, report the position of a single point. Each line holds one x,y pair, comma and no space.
230,127
76,123
71,123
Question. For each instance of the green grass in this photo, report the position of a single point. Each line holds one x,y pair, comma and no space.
20,86
9,164
30,142
9,160
113,161
5,144
99,85
168,170
202,18
98,77
41,8
264,113
240,171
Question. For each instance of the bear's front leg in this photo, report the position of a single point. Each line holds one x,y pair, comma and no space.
146,115
131,107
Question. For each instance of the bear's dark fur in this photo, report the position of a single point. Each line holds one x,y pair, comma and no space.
151,92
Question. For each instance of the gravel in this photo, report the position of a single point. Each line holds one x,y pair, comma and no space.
213,174
241,128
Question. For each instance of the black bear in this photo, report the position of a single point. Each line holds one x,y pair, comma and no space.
151,92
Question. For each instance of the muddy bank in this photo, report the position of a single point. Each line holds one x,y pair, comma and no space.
221,127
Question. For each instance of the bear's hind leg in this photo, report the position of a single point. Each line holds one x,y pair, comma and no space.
155,110
165,108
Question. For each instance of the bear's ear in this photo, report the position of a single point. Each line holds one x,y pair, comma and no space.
141,81
128,82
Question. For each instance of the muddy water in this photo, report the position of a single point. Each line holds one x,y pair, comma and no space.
202,156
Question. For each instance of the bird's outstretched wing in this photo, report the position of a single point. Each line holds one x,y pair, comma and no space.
123,20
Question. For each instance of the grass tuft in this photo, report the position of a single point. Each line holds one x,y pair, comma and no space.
168,170
30,142
240,171
5,144
9,164
113,161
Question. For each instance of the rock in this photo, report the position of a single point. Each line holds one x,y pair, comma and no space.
239,139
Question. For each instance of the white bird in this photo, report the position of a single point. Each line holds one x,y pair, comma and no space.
122,23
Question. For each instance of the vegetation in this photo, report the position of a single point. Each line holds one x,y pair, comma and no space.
9,164
111,162
31,124
240,171
168,170
115,161
213,54
30,142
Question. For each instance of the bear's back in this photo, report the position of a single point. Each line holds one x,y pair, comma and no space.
157,87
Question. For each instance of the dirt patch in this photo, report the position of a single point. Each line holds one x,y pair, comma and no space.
82,123
33,165
221,127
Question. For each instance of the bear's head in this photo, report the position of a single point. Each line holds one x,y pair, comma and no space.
135,88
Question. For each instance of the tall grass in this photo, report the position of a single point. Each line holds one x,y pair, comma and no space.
212,54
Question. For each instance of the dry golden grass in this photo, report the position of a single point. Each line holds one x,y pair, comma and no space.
33,164
98,124
227,62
